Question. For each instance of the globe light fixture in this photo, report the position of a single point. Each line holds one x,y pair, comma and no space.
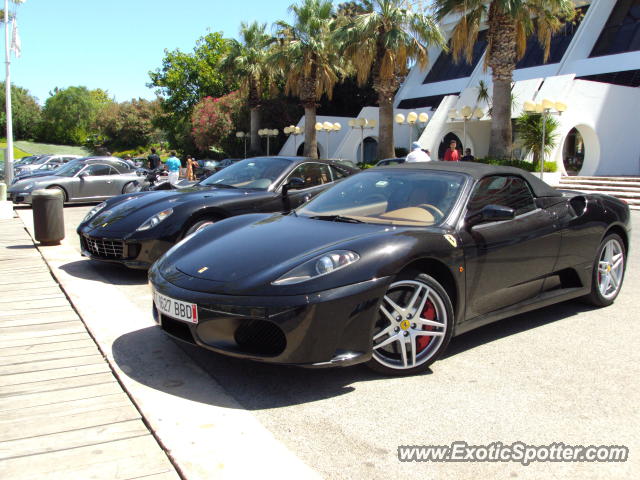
295,131
411,119
329,127
363,124
267,132
243,136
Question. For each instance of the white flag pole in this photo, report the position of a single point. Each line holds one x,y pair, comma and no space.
8,158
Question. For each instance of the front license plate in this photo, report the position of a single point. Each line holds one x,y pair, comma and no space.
187,312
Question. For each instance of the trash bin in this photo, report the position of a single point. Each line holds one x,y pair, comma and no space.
48,215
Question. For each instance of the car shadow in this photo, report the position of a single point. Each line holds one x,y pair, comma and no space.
113,274
259,386
514,325
256,386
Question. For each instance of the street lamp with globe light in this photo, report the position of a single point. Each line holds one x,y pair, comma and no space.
243,136
547,107
363,124
411,119
295,131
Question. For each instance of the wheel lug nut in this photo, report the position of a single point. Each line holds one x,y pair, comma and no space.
398,318
409,316
413,325
397,329
406,334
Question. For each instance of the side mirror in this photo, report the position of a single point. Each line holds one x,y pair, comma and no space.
491,213
295,183
83,174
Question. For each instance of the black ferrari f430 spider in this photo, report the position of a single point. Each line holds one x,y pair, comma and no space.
387,265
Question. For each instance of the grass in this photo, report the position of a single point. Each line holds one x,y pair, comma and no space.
17,152
34,148
23,148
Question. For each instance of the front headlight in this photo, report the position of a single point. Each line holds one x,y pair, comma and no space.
155,219
93,211
319,266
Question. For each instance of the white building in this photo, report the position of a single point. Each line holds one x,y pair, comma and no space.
594,68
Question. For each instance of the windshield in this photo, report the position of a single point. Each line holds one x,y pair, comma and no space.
69,169
398,197
258,173
27,160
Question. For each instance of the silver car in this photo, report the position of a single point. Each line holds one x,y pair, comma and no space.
86,179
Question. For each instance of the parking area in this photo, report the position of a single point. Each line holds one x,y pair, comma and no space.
566,373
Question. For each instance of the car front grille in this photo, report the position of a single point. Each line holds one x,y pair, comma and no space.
104,248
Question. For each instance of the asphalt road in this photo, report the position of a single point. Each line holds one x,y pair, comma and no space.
566,373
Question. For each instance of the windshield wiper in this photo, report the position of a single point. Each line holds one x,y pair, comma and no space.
221,185
336,218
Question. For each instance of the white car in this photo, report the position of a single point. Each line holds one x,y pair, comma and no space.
49,162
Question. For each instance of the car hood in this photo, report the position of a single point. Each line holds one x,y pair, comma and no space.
274,241
129,211
21,184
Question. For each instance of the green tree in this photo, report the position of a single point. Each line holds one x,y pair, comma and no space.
69,114
510,23
382,43
306,54
26,112
247,61
184,79
529,129
128,125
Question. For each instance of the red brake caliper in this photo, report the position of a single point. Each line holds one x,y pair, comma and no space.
428,313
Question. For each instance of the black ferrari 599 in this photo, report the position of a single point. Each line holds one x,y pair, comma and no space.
387,265
135,229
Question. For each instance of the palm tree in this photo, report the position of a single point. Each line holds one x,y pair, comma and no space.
382,42
247,61
529,128
307,57
510,23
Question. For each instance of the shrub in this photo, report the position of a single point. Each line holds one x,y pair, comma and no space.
528,166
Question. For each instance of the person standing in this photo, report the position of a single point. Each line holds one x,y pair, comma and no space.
417,154
467,156
154,159
452,154
173,166
192,164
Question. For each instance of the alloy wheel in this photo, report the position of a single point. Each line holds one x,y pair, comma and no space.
412,325
610,268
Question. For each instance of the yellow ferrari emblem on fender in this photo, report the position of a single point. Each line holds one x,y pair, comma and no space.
104,225
452,240
203,269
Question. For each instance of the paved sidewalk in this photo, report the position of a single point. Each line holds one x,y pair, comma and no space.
63,414
205,431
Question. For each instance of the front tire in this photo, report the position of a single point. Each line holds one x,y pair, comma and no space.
413,327
608,271
199,225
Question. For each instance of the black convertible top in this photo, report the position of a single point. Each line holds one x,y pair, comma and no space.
481,170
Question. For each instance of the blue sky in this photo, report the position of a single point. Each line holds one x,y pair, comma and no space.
113,44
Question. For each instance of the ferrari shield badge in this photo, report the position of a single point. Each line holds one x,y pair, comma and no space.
452,240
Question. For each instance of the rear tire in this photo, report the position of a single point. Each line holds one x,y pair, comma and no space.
608,271
413,328
65,199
